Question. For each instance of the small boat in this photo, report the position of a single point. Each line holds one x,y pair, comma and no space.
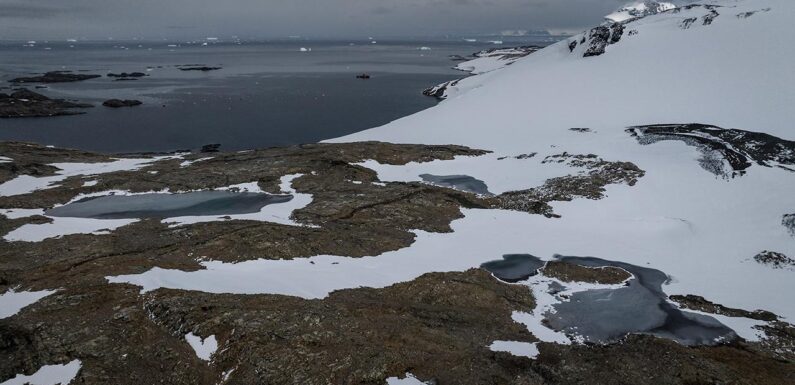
363,76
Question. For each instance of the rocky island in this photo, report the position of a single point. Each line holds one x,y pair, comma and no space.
24,103
55,77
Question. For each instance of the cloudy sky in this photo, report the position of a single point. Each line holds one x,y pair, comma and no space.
55,19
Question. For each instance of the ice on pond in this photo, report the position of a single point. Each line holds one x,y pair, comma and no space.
458,182
606,315
159,205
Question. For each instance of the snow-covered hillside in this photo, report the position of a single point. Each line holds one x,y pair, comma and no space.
639,9
697,214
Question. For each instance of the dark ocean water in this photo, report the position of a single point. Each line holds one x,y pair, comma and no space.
267,94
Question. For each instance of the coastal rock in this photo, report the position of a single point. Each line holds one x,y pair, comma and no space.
127,75
55,77
117,103
25,103
202,68
440,91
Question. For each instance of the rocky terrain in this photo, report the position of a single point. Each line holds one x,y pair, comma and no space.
437,327
24,103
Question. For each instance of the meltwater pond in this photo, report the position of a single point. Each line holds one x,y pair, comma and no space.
603,315
458,182
160,205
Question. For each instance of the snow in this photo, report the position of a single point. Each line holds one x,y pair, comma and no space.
190,162
49,375
204,348
408,380
5,159
25,184
521,349
65,226
701,229
680,219
90,183
639,8
11,302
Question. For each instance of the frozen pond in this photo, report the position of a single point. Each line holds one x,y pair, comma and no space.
158,205
514,267
605,315
458,182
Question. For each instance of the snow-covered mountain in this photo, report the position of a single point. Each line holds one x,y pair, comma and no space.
699,97
639,9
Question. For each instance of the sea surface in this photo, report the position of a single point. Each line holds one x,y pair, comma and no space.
268,93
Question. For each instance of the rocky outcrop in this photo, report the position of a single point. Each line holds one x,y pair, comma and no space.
589,183
27,104
775,260
440,91
55,77
694,302
118,103
201,68
739,149
127,75
602,36
570,272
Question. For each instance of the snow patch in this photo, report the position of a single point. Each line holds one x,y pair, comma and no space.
11,302
520,349
48,375
204,348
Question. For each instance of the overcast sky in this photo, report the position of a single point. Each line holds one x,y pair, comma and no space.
56,19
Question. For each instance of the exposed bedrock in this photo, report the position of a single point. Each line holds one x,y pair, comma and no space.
589,184
720,147
24,103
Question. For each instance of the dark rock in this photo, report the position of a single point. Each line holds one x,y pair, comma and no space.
616,31
363,76
211,147
580,129
694,302
590,183
572,45
127,75
54,77
710,17
25,103
788,221
440,91
570,272
202,69
686,23
775,260
117,103
738,148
